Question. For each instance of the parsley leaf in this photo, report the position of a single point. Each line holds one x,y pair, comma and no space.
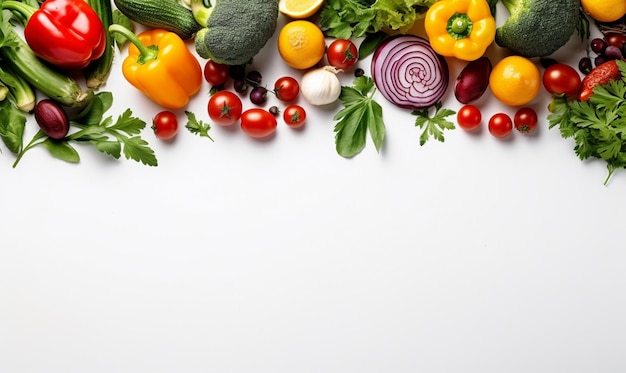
197,127
360,114
435,125
110,137
597,126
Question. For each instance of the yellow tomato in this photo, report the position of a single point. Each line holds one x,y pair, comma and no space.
604,10
515,81
301,44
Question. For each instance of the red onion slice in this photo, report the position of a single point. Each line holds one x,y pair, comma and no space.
409,73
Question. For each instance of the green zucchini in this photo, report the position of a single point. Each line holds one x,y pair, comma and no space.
60,87
170,15
98,71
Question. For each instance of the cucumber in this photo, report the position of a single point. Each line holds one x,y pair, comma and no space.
170,15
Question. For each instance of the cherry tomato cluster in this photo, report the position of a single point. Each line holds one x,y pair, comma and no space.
500,125
226,108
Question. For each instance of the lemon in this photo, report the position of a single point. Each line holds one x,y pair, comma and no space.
604,10
299,9
515,81
301,44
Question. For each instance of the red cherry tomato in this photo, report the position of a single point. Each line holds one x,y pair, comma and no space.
216,73
224,108
342,53
500,125
165,125
294,115
286,88
525,120
258,123
561,79
469,117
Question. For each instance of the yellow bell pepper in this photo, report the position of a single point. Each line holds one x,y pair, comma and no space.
160,65
460,28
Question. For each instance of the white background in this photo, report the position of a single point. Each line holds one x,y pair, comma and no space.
238,255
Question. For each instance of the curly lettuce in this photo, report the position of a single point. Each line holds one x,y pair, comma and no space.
356,18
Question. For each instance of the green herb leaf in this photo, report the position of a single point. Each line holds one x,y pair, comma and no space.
12,124
370,43
61,150
106,146
197,127
435,125
360,114
121,19
137,149
597,126
109,137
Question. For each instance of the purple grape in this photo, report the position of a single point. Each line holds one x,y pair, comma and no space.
600,59
585,65
612,52
258,95
598,45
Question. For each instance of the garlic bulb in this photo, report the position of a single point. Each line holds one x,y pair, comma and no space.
321,86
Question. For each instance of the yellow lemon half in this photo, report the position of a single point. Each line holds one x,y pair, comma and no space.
299,9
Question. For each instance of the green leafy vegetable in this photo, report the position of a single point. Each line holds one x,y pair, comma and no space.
121,19
197,127
361,113
109,137
370,43
598,126
435,125
355,18
12,124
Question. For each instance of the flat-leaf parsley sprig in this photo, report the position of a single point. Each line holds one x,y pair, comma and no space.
110,137
360,114
435,125
598,126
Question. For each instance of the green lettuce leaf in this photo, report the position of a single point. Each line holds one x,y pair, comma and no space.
357,18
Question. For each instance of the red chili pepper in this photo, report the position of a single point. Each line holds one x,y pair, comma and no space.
66,33
601,74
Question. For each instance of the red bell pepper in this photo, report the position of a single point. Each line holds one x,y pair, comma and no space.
66,33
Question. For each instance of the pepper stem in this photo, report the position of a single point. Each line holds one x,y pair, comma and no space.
459,26
147,53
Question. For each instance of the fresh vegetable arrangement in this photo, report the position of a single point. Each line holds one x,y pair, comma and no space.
185,44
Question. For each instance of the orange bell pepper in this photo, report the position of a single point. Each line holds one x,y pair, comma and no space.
160,65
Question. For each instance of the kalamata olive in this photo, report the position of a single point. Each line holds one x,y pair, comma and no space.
52,119
473,80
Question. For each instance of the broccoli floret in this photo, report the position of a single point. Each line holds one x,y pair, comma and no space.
537,28
236,30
